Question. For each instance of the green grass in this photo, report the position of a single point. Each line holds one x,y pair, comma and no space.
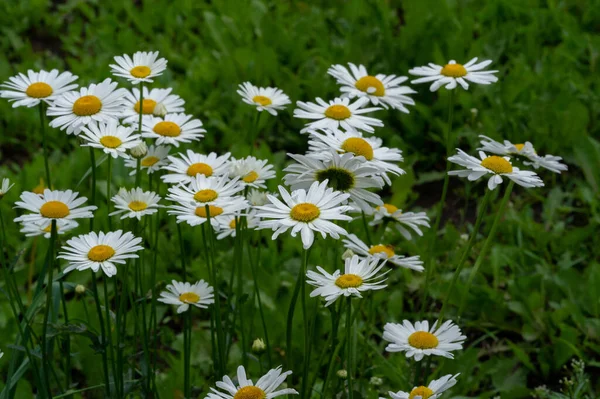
535,304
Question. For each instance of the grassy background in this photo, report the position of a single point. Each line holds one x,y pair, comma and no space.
536,304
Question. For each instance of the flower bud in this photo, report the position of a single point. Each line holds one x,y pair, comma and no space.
342,373
258,346
160,110
347,254
80,289
139,151
376,381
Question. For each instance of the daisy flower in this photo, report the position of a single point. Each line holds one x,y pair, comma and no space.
346,173
155,159
382,251
494,165
135,203
337,113
142,68
205,190
195,214
95,251
5,186
419,340
227,225
53,205
359,275
412,220
252,172
100,102
191,164
433,391
28,90
172,129
157,102
32,229
384,90
452,73
305,212
183,295
112,138
270,99
257,197
322,144
265,388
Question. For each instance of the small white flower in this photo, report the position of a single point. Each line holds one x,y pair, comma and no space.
5,186
412,220
173,129
205,190
382,251
186,167
265,388
155,159
29,89
135,203
32,229
53,205
252,172
157,102
196,214
183,295
142,67
139,151
433,391
257,197
337,113
270,99
112,138
452,73
228,224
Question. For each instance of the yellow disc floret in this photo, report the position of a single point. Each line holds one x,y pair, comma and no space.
497,164
262,100
206,195
367,82
454,70
39,90
54,210
519,147
110,141
147,108
422,392
387,250
189,297
140,71
338,112
149,161
250,392
391,209
87,105
250,177
305,212
349,281
213,210
137,206
423,340
100,253
167,129
358,146
199,168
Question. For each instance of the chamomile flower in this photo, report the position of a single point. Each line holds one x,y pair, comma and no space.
337,113
384,90
53,205
135,203
100,102
452,73
359,275
142,67
112,138
494,165
100,251
228,224
30,89
195,214
32,229
321,144
5,186
183,295
412,220
419,340
186,167
252,172
305,211
155,159
172,129
257,197
270,99
266,387
346,173
432,391
157,102
382,251
205,190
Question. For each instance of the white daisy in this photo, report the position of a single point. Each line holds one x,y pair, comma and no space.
205,190
183,295
452,73
135,203
53,205
382,251
195,214
494,165
98,102
433,391
142,68
419,340
112,138
265,388
412,220
191,164
173,129
257,197
270,99
28,90
359,275
346,173
157,102
32,229
337,113
228,224
5,186
252,172
384,90
305,212
155,159
95,251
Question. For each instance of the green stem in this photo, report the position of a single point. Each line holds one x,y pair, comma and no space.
108,187
44,144
255,132
153,313
260,307
292,308
366,227
349,346
67,339
109,336
45,353
182,251
138,175
335,322
239,252
102,334
305,322
187,343
418,365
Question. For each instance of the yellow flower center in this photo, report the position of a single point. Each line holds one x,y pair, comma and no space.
250,177
168,129
199,168
454,70
388,250
39,189
423,392
338,112
54,210
100,253
137,206
206,195
148,107
497,164
358,147
423,340
366,82
232,224
340,179
305,212
250,392
189,297
87,105
49,228
39,90
140,71
519,147
110,141
389,207
149,161
213,210
349,281
262,100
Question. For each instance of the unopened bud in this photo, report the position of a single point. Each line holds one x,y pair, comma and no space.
258,346
80,289
160,110
376,381
347,254
258,198
342,373
139,151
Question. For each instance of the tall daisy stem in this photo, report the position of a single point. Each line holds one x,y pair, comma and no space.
260,307
109,336
187,343
366,227
138,175
45,144
45,360
290,318
306,353
349,346
108,187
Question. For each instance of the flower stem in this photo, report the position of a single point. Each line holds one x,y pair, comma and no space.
187,343
335,322
109,336
290,318
108,184
138,175
349,346
255,132
44,344
45,144
260,307
182,250
366,227
306,353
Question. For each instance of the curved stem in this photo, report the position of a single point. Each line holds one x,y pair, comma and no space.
109,335
182,250
44,344
187,342
260,307
349,346
44,144
108,184
305,322
366,227
138,175
292,308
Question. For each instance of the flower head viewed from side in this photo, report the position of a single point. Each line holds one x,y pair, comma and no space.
251,171
33,229
53,205
157,102
265,388
270,99
432,391
205,190
28,90
338,113
382,251
185,167
229,224
135,203
112,138
412,220
154,160
5,186
419,340
182,295
142,67
452,73
195,214
172,129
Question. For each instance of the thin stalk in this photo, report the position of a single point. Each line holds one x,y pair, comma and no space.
109,336
44,344
182,251
102,334
239,249
306,353
366,227
292,308
418,365
108,186
67,339
44,144
335,322
187,343
260,307
153,315
138,175
255,133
